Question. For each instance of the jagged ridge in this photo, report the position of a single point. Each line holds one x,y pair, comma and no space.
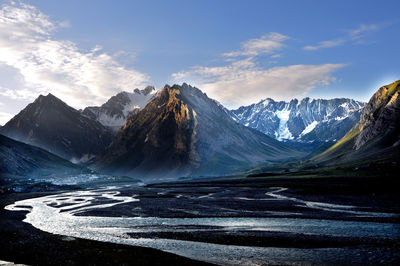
118,108
303,121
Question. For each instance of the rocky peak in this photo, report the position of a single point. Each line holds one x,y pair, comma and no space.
148,90
376,136
50,123
118,108
379,113
49,99
145,91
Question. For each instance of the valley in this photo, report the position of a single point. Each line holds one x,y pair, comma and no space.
233,223
184,180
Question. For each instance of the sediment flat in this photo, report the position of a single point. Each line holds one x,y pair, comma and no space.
21,243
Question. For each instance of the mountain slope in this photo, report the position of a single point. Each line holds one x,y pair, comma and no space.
376,136
116,110
51,124
302,121
20,159
182,132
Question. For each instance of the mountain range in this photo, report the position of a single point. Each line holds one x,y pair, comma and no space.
182,132
179,131
303,124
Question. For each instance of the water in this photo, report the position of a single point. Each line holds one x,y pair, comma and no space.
71,214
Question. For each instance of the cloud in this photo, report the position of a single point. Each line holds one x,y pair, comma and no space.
325,44
4,117
242,82
267,44
354,35
362,30
46,64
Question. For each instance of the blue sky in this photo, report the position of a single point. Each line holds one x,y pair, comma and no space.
238,52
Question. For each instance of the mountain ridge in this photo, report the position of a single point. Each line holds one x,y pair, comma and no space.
51,124
118,108
375,136
20,159
186,132
301,121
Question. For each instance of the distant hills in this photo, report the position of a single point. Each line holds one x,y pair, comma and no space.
182,132
375,137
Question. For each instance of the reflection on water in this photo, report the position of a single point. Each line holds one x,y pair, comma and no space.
58,214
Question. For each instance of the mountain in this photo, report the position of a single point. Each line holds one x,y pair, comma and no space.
182,132
51,124
307,121
20,159
116,110
375,137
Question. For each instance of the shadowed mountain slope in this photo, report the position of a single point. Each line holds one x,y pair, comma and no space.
51,124
20,159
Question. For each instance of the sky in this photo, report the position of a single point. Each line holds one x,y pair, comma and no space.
238,52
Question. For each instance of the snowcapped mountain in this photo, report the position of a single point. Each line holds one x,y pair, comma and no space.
182,132
116,110
302,121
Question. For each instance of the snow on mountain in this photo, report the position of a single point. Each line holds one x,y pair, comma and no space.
182,132
116,110
305,120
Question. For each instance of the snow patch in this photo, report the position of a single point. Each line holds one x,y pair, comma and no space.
340,118
83,159
283,131
309,128
137,100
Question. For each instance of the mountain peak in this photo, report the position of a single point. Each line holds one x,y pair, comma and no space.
51,124
146,91
389,90
375,135
48,99
180,132
149,89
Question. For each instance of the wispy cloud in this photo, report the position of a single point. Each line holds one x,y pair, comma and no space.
362,30
354,35
46,64
267,44
242,82
325,44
